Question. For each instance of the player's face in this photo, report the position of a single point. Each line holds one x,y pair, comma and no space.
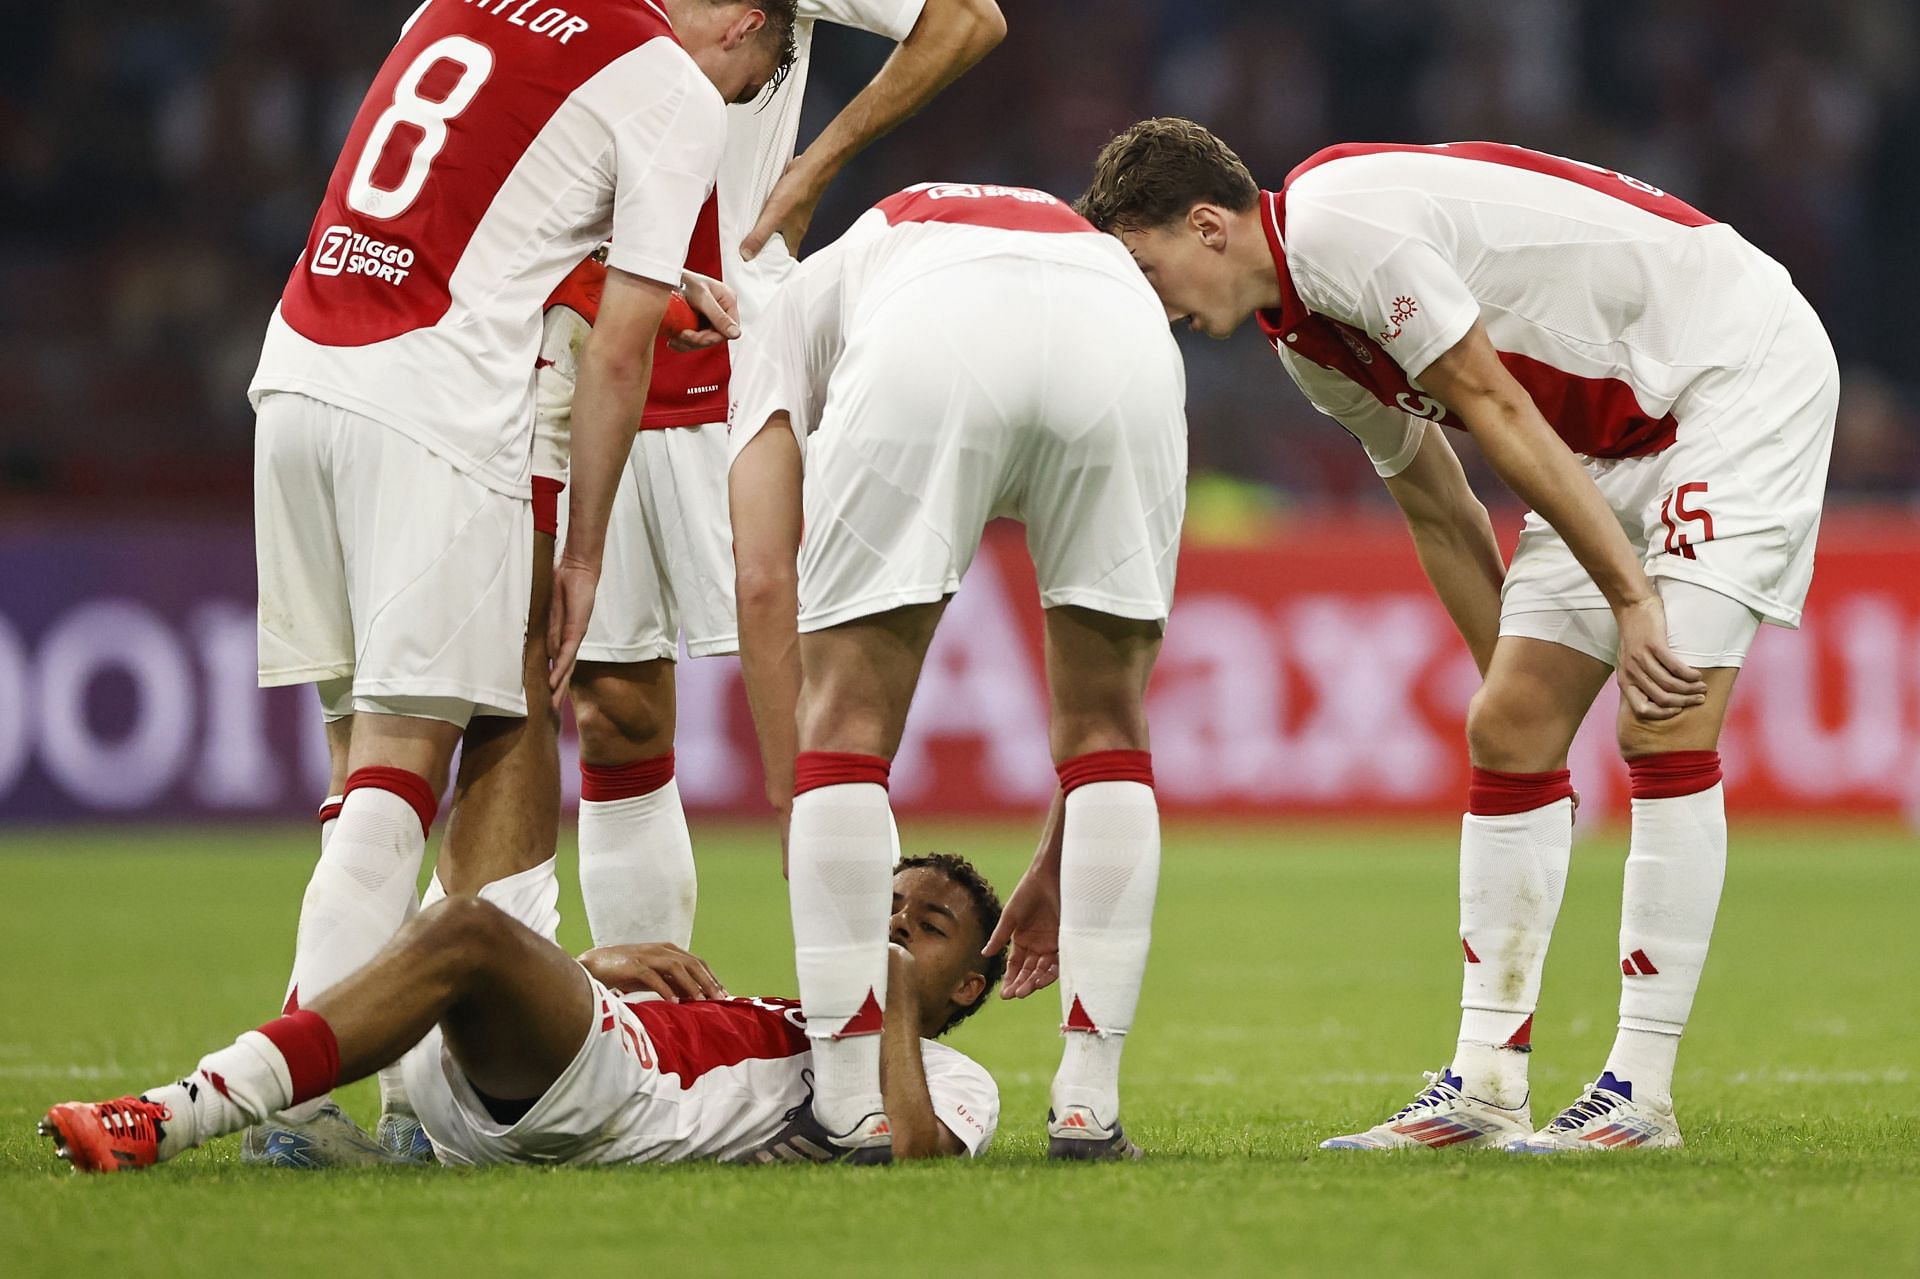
1186,264
934,918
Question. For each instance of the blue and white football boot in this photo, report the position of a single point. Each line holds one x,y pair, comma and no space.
1607,1118
328,1140
1441,1115
400,1135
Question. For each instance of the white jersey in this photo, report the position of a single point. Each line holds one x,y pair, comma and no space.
761,138
500,142
925,228
732,1069
1608,299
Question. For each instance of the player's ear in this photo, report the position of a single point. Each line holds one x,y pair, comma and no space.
1209,223
970,990
743,28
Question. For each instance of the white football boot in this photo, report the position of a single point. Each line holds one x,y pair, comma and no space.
329,1140
400,1135
1441,1115
1607,1118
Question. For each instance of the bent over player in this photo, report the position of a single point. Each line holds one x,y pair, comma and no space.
635,1054
963,352
669,566
1663,399
393,397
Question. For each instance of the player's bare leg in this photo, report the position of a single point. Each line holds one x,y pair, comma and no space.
513,1006
857,682
636,855
1515,842
1676,864
1097,671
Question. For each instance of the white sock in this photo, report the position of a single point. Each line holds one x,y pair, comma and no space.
839,864
361,891
1675,868
636,869
254,1083
1109,873
1513,874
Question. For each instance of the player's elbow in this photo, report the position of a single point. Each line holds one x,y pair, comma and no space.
918,1141
974,27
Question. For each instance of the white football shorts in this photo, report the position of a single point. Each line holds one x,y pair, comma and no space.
1732,508
669,556
381,564
1048,393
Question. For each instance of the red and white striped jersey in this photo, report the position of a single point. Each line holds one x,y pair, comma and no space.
924,228
690,387
741,1064
501,141
1606,298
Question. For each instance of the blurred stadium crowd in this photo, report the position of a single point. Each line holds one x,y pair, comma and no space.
160,166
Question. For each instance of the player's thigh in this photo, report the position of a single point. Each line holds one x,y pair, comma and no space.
686,487
1098,665
1713,633
1537,691
921,429
635,611
857,680
523,1013
439,577
1103,479
625,710
305,617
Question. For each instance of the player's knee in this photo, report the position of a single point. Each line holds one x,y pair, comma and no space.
1505,734
618,726
464,928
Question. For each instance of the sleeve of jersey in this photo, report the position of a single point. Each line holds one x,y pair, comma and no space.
893,19
1365,258
562,333
665,154
1390,437
965,1098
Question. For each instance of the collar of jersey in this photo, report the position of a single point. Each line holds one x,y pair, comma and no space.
1282,320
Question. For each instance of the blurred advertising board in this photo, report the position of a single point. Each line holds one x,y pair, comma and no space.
1310,673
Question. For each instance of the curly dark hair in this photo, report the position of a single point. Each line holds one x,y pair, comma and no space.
986,904
1156,170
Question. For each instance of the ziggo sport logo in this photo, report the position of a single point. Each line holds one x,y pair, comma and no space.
344,251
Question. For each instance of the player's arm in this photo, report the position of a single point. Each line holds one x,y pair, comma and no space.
917,1130
763,492
1454,540
1543,472
1030,924
610,391
949,37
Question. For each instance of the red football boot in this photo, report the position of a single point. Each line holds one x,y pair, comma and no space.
106,1136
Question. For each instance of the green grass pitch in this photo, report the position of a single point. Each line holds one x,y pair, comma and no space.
1301,979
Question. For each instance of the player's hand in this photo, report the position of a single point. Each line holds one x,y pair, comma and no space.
1031,924
661,967
715,304
901,966
788,212
574,584
1654,681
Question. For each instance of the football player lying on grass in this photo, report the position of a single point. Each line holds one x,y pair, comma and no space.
516,1053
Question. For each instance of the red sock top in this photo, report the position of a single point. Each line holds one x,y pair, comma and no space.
331,809
1106,766
311,1052
604,783
1674,773
397,781
815,769
1496,794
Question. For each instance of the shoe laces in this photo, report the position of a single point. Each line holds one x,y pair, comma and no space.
133,1118
1597,1103
1437,1091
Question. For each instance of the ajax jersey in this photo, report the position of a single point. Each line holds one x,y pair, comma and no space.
1606,297
501,141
